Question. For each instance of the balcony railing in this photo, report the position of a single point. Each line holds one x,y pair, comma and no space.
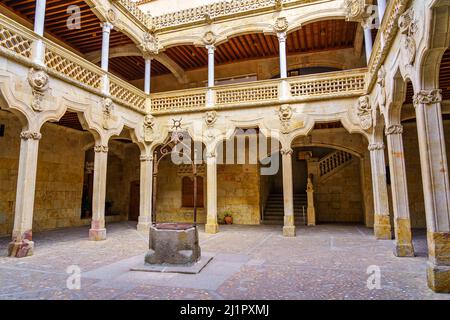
324,86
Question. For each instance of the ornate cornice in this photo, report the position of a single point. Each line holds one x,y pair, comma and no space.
29,135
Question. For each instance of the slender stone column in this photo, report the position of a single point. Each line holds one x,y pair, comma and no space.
39,22
311,211
381,9
98,230
436,187
211,48
211,194
148,71
288,193
402,222
106,27
283,60
382,226
146,186
22,244
368,41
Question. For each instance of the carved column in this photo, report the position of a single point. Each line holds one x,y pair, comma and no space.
106,31
98,230
368,41
283,62
211,194
402,223
436,188
22,244
311,211
148,71
288,193
382,226
146,187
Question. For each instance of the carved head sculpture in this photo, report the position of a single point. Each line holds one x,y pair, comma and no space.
149,121
107,106
150,44
210,118
209,38
281,24
285,112
38,80
364,113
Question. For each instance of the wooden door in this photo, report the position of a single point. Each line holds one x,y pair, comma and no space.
135,190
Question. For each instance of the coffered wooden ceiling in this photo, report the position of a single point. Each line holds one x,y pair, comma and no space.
313,37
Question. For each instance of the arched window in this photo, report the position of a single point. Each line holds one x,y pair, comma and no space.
188,192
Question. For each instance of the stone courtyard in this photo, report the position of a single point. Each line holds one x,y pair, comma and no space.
250,262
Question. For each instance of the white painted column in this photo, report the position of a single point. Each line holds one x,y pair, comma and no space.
436,189
106,27
382,226
22,244
399,187
283,60
368,41
98,230
211,226
381,9
146,187
38,50
211,48
288,193
148,71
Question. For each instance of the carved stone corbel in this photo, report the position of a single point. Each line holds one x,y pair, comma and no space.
408,29
364,113
150,44
209,38
149,123
107,107
39,82
285,114
210,118
281,25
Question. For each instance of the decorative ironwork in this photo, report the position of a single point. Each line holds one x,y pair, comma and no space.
177,139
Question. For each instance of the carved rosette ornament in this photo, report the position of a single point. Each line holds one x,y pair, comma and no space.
354,9
209,38
101,149
210,118
39,82
427,97
376,146
107,106
364,113
408,28
394,129
149,123
111,16
150,44
281,25
28,135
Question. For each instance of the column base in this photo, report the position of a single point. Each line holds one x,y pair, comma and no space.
404,250
97,234
382,227
21,249
438,278
143,227
212,228
289,231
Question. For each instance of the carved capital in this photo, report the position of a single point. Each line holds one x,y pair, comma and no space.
376,146
394,129
281,24
286,152
427,97
39,82
28,135
101,149
150,44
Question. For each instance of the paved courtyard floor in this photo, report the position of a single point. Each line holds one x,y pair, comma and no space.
251,262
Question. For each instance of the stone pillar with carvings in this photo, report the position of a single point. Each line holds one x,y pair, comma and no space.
382,226
211,226
146,187
288,193
311,211
106,32
436,189
22,244
399,187
98,230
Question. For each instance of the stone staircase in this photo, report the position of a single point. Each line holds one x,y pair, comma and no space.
274,210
